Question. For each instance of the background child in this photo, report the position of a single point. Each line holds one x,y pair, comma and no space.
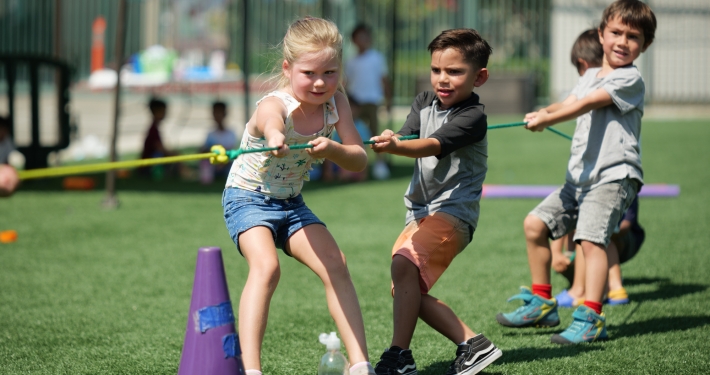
627,239
442,200
367,85
153,146
263,207
219,136
603,176
332,171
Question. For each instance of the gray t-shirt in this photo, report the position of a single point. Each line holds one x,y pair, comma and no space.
451,182
606,145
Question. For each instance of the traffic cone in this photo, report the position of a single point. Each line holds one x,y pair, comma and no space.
211,343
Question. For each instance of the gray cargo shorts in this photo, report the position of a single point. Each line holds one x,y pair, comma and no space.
593,213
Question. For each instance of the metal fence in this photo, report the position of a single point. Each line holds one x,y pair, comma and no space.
518,30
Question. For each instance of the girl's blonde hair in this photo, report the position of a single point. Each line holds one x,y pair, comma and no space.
311,34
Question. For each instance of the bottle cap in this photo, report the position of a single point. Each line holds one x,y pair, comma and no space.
332,342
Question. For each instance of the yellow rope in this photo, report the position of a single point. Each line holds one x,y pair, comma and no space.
101,167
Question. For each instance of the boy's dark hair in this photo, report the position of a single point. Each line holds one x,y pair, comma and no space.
219,105
587,48
633,13
361,28
156,103
468,42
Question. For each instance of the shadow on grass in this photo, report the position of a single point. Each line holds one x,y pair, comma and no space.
176,185
520,355
658,325
666,289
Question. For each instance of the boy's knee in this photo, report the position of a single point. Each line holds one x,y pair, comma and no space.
535,228
403,269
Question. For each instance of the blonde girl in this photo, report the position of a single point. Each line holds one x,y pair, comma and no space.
262,202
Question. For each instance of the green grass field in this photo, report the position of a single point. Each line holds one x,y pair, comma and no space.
89,291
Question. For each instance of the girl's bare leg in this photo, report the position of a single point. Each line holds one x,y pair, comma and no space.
257,246
315,247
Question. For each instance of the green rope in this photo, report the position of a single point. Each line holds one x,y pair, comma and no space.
231,154
512,124
559,133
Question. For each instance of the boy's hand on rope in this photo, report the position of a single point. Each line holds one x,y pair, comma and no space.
322,148
384,142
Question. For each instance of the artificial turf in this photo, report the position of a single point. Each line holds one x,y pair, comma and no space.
90,291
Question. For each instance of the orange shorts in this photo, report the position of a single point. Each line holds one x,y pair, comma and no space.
431,243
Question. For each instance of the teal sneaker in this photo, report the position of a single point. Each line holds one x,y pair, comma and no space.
588,326
536,312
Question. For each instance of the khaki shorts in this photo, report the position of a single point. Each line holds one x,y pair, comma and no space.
431,243
594,213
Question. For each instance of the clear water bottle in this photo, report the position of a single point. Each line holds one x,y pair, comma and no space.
333,361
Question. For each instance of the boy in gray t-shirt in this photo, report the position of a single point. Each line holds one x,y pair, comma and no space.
442,200
603,175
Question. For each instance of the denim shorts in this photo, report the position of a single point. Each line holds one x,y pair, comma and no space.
244,209
594,213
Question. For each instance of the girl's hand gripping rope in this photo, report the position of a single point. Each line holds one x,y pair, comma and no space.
321,147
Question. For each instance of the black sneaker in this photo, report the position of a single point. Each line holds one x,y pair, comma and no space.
396,361
474,356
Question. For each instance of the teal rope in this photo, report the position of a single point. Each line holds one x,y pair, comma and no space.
233,154
512,124
559,133
402,138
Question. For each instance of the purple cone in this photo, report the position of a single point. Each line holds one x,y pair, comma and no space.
211,344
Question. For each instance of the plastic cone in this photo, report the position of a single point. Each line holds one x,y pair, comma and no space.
211,343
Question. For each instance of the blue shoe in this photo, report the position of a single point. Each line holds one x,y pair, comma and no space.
564,299
536,312
588,326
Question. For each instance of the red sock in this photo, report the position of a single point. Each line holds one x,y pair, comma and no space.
596,306
542,290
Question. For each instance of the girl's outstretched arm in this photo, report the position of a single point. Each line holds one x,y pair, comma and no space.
349,155
268,121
